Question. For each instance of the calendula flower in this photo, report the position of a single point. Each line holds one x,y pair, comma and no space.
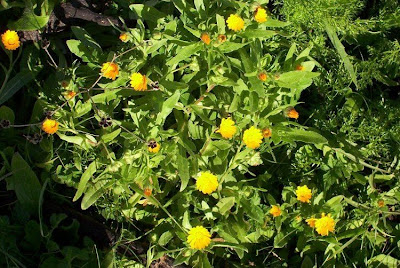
300,67
235,22
205,37
207,182
199,237
381,203
252,137
260,15
50,126
311,222
10,40
275,211
266,132
227,128
324,225
298,218
292,113
221,38
110,70
70,94
262,76
303,194
123,37
147,192
139,82
153,146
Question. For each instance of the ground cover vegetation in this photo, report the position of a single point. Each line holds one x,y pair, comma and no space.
200,133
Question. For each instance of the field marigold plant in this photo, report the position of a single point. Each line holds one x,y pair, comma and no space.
10,40
139,82
275,211
235,22
252,137
199,238
260,15
303,194
153,146
227,129
110,70
207,182
205,37
123,37
50,126
325,224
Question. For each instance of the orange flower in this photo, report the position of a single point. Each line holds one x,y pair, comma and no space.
147,192
110,70
292,113
381,203
50,126
221,38
205,37
70,94
311,222
10,40
123,37
267,132
262,76
275,211
300,67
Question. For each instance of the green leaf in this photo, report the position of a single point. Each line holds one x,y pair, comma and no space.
275,23
215,146
307,263
258,33
165,238
225,204
94,193
220,24
7,114
82,51
384,261
29,22
85,37
296,79
17,82
167,107
185,53
342,52
307,136
146,13
106,138
228,47
84,180
183,167
25,184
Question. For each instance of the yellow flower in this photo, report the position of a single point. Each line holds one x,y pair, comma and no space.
139,82
275,211
50,126
324,225
260,15
207,182
303,194
10,40
205,37
153,146
227,128
262,76
235,22
110,70
221,38
381,203
292,113
266,132
311,222
199,237
123,37
69,94
252,137
300,67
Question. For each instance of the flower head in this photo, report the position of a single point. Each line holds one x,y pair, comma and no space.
252,137
311,222
292,113
110,70
205,37
235,22
139,82
381,203
262,76
221,38
227,128
50,126
275,211
299,67
267,132
207,182
199,237
324,225
10,40
69,94
153,146
123,37
147,192
303,194
260,15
